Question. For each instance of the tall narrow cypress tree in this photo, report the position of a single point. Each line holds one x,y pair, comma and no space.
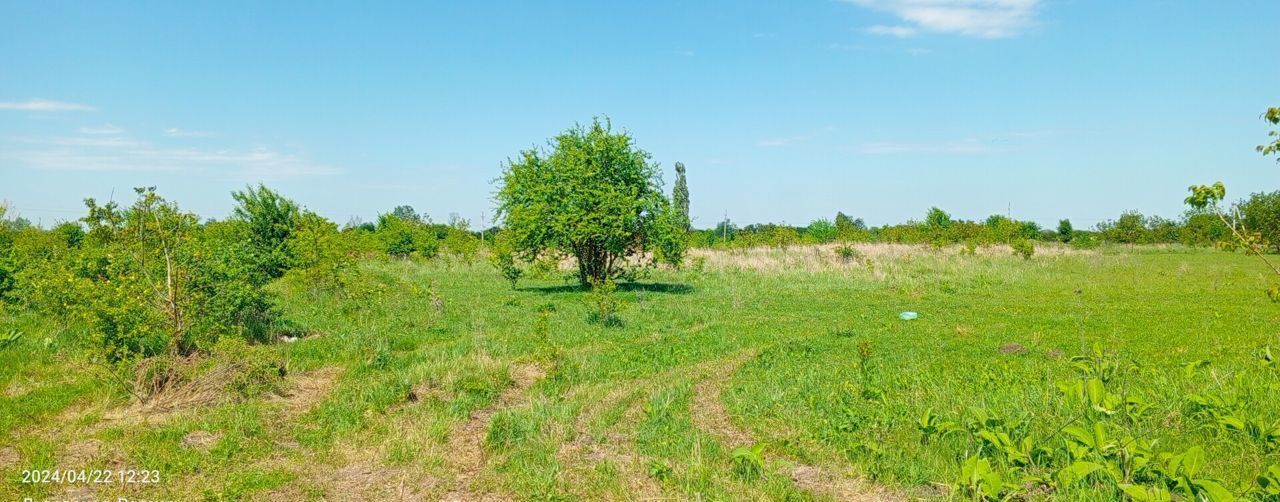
680,195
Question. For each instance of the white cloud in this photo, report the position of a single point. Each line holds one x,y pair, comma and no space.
974,18
780,142
174,132
892,31
104,129
44,105
117,153
964,146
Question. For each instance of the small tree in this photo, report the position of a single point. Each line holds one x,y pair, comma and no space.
592,194
822,230
271,220
937,219
407,213
1065,230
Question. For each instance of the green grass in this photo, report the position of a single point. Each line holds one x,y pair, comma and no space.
618,413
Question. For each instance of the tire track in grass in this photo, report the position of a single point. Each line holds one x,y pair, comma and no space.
710,415
465,447
616,448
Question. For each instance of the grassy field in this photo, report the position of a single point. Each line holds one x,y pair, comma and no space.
760,374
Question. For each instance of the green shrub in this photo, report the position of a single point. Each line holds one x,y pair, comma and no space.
604,303
1024,248
505,261
271,219
321,255
848,253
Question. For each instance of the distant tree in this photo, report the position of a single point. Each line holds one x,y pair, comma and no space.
1065,230
271,219
593,195
937,219
1131,228
1028,229
725,231
1260,213
822,230
407,213
680,196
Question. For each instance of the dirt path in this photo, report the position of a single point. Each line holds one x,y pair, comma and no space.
709,414
465,448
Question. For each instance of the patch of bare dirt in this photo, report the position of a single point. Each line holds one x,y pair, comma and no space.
820,482
200,440
365,481
1012,348
465,448
16,389
302,392
9,457
79,454
78,493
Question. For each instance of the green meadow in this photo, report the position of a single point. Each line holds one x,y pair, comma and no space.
765,373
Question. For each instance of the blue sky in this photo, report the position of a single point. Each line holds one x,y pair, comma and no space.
782,110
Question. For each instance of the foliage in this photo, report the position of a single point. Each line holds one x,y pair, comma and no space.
271,219
1272,115
504,260
604,303
320,254
407,213
748,461
1210,197
680,197
937,219
1024,248
1260,213
593,195
1065,230
848,253
821,230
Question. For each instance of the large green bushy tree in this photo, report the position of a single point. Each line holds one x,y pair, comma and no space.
591,194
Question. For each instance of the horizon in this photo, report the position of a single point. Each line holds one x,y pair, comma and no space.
782,112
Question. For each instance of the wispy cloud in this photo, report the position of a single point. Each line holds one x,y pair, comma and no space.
781,142
174,132
44,105
892,31
974,18
104,129
967,146
119,153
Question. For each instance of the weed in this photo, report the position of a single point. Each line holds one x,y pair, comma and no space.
604,303
748,461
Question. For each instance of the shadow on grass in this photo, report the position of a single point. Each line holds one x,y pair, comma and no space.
646,287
